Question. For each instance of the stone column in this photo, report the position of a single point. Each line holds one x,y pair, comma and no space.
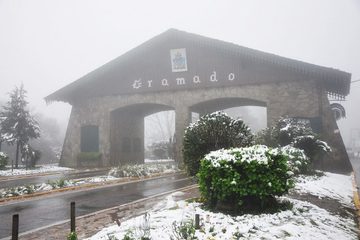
71,144
104,137
182,120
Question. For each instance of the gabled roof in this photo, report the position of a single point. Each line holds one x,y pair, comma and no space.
93,84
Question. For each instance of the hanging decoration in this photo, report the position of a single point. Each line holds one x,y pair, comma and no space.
338,111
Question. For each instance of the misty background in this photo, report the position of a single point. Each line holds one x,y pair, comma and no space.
47,44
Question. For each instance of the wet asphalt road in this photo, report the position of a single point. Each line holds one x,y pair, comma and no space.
45,211
4,183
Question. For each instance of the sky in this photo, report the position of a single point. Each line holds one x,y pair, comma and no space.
47,44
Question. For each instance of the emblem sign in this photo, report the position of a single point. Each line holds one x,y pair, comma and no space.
178,60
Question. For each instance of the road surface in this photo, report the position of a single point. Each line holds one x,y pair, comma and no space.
54,208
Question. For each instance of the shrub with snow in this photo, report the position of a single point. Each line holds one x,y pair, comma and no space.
244,177
314,148
141,170
295,133
212,132
297,160
3,160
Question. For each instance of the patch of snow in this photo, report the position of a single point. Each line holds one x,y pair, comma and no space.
248,154
41,169
331,185
158,160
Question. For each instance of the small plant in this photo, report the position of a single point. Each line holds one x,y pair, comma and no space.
111,237
237,235
60,183
129,235
72,236
183,230
144,229
3,160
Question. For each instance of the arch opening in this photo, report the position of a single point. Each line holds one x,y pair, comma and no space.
159,136
252,112
127,132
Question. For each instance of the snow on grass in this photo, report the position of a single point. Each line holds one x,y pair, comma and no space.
40,169
56,184
303,221
142,170
331,185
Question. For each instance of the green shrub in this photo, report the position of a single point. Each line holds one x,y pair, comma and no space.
3,160
212,132
297,160
244,177
295,133
283,132
314,148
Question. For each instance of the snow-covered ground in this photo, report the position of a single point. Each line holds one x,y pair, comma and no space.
303,221
39,169
335,186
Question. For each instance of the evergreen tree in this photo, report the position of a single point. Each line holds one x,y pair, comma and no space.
17,125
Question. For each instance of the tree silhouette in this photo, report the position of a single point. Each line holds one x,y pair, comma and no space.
17,125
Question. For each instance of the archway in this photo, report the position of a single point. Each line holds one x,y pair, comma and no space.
252,112
127,132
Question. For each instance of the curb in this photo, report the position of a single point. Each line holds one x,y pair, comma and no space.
356,199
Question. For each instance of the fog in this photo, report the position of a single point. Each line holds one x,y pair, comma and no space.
47,44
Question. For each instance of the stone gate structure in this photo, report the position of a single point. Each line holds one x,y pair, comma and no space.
189,73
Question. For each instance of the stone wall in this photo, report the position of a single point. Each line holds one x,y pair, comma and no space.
293,99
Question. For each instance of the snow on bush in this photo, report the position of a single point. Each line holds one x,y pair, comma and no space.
251,175
142,170
298,162
296,133
212,132
23,190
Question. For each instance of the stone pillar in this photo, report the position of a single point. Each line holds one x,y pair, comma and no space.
337,160
127,138
182,120
71,144
272,113
104,137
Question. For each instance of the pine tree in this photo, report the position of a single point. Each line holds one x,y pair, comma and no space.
17,125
